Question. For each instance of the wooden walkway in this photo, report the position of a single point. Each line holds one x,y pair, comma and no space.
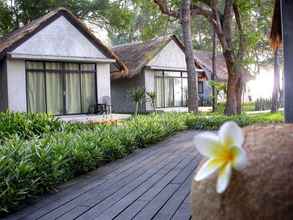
151,184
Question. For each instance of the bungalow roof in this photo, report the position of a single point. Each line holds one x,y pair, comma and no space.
15,38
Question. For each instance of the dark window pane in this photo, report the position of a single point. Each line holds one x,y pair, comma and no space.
200,87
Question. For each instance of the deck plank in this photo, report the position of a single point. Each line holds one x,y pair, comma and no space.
163,175
153,183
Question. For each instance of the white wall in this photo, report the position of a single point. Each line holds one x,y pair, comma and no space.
171,57
59,38
103,81
16,85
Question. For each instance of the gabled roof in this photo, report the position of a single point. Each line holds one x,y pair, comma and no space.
137,55
204,60
12,40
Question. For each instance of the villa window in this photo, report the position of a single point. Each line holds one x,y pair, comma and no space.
171,88
60,88
200,87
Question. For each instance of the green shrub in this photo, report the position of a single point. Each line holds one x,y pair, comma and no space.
27,125
215,122
31,167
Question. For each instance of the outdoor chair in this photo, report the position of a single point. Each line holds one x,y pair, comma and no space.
107,104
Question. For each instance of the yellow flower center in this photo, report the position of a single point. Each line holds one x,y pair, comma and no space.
226,155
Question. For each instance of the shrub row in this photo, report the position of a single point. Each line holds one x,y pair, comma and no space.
31,167
215,122
27,125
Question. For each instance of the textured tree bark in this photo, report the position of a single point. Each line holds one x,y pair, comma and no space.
185,19
276,89
214,92
232,91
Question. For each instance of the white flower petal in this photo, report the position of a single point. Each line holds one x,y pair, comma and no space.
224,178
240,159
231,134
208,168
207,144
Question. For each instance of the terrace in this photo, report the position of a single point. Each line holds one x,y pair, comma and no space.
150,184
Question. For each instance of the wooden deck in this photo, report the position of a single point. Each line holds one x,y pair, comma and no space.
151,184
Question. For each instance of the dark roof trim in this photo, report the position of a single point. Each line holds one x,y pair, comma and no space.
77,24
276,30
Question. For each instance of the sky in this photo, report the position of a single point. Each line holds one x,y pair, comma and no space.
262,85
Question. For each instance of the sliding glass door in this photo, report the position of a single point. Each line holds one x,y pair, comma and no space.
60,88
171,88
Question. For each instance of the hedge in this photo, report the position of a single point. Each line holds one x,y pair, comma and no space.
30,167
27,125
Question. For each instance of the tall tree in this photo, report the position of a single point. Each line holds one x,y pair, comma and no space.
112,15
183,14
214,92
234,23
145,23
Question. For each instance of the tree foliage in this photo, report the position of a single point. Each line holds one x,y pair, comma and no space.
110,14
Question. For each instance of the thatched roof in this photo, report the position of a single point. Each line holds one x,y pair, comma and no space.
204,59
12,40
276,30
137,55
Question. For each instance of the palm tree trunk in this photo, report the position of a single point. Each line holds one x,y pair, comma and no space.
136,108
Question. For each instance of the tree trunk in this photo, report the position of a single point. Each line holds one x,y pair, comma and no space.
185,18
239,94
232,95
214,92
276,89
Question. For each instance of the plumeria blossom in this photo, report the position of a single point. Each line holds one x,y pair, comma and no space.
224,152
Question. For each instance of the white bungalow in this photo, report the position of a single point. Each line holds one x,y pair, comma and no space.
157,66
55,64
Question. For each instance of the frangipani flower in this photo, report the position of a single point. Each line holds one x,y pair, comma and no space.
224,152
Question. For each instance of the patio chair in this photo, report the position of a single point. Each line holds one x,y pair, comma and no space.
108,104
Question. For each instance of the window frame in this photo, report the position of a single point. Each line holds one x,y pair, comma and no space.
62,71
163,76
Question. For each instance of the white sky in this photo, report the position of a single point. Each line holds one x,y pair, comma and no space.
262,86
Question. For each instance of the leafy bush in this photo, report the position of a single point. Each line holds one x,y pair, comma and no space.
246,107
31,167
215,122
27,125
